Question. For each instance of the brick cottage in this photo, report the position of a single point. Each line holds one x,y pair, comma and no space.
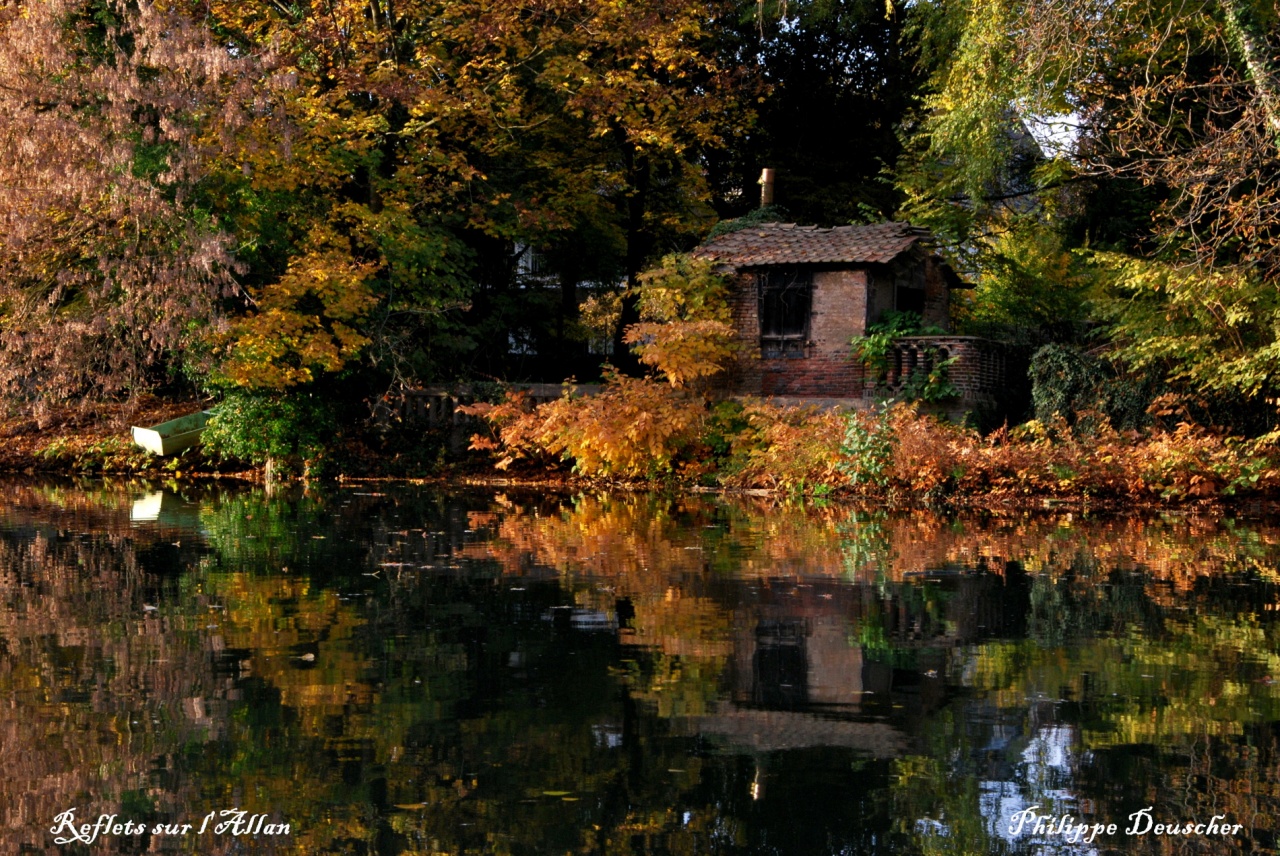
801,294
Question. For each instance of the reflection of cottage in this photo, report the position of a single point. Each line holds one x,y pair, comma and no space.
801,294
823,663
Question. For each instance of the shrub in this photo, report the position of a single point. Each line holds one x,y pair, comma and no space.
1079,388
866,453
635,427
109,454
648,429
1193,462
285,432
926,458
796,449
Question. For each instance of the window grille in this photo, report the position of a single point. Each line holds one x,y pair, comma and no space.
786,302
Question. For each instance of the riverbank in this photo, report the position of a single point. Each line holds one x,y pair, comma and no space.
88,439
897,457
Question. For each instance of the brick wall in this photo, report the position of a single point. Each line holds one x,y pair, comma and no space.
989,376
743,377
839,310
824,368
984,372
821,375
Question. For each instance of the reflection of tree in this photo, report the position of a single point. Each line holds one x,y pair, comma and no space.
625,535
419,710
407,685
939,808
81,643
1087,600
265,534
1078,622
865,545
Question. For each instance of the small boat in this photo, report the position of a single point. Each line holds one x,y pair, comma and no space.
169,438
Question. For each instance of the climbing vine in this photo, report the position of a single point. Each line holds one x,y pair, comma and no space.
930,382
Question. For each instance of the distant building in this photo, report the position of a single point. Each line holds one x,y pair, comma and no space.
801,294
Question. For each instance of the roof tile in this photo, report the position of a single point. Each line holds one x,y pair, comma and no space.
788,244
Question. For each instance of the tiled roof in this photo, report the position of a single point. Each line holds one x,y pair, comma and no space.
789,244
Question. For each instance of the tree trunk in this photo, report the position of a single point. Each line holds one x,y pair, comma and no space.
637,253
1257,67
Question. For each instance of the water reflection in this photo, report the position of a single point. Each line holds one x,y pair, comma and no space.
400,671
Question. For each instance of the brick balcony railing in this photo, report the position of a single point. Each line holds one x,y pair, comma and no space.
982,372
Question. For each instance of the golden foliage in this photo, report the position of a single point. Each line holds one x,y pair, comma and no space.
1035,459
409,130
307,323
788,448
686,329
635,427
639,428
683,351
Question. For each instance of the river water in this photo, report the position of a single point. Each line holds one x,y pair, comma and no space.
397,670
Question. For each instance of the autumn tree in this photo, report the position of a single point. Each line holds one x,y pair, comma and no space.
635,426
394,151
1170,115
686,329
633,115
294,193
110,272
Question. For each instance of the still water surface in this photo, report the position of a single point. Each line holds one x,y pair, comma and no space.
402,671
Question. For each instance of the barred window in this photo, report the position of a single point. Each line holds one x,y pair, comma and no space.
786,299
